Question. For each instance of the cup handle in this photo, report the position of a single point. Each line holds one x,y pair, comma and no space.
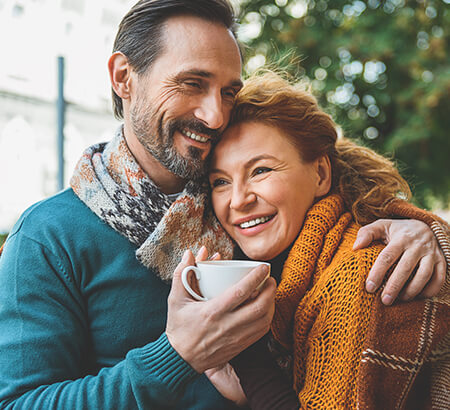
184,275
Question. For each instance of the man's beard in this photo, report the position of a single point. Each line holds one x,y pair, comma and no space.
156,135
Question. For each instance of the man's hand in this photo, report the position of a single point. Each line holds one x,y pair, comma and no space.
420,262
208,334
227,383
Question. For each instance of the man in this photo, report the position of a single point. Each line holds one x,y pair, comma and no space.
86,317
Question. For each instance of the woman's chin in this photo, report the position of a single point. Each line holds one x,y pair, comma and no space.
258,255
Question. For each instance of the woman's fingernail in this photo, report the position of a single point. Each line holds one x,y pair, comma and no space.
217,254
371,286
387,299
185,256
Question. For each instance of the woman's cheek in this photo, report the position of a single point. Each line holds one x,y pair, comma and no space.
221,209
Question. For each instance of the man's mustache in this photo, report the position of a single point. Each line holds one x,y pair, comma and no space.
196,127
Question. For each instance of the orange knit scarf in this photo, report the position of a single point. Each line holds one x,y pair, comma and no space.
322,308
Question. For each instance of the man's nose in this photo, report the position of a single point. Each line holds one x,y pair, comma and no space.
211,111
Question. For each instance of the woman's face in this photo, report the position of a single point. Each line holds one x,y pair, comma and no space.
261,189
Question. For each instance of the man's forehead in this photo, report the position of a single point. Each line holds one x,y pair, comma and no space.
193,44
190,32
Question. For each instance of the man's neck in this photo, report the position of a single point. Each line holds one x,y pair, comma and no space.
165,180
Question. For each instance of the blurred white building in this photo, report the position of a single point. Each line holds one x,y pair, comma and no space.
32,34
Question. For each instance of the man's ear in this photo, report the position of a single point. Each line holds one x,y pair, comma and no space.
120,74
323,168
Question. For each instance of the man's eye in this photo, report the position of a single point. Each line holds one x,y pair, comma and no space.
231,93
194,84
261,170
218,182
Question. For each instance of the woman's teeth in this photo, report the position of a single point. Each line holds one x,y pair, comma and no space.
195,137
255,222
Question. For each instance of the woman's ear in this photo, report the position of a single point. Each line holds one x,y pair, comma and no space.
323,167
120,74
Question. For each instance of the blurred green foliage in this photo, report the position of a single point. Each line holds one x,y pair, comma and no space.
2,238
380,67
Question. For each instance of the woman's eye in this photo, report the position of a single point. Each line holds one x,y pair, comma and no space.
261,170
218,182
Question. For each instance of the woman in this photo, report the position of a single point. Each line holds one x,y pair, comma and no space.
287,190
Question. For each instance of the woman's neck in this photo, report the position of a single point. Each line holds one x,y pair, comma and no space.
276,264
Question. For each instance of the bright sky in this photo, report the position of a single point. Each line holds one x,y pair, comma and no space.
34,32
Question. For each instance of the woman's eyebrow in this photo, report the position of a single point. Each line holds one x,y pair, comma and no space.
247,164
253,160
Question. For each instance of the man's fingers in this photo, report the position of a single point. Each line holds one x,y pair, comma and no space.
255,316
369,233
187,260
256,306
437,280
178,289
216,257
241,291
402,272
202,254
387,257
419,279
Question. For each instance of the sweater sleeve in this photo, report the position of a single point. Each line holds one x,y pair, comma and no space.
264,384
44,344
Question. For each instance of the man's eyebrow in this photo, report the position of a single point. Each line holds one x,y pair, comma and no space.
198,73
206,74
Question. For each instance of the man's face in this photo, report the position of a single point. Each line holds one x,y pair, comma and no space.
183,102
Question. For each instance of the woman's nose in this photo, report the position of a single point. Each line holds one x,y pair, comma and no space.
242,197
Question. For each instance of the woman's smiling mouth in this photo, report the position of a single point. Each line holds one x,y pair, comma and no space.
251,223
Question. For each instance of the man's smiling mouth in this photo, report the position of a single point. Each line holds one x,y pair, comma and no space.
194,136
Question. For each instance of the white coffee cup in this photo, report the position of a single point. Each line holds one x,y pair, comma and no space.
214,277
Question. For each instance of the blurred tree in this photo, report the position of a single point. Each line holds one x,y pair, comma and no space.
380,67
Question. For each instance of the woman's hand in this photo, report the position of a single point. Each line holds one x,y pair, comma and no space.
227,383
420,262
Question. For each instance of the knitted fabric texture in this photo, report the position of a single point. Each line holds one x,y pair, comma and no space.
111,183
406,356
323,314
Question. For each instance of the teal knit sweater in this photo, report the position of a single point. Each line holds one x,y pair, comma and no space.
82,321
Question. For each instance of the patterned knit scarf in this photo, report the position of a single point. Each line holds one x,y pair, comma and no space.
111,183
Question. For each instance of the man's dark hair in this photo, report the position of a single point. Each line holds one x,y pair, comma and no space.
140,32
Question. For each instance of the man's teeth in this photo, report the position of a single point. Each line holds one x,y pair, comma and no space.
254,222
195,137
